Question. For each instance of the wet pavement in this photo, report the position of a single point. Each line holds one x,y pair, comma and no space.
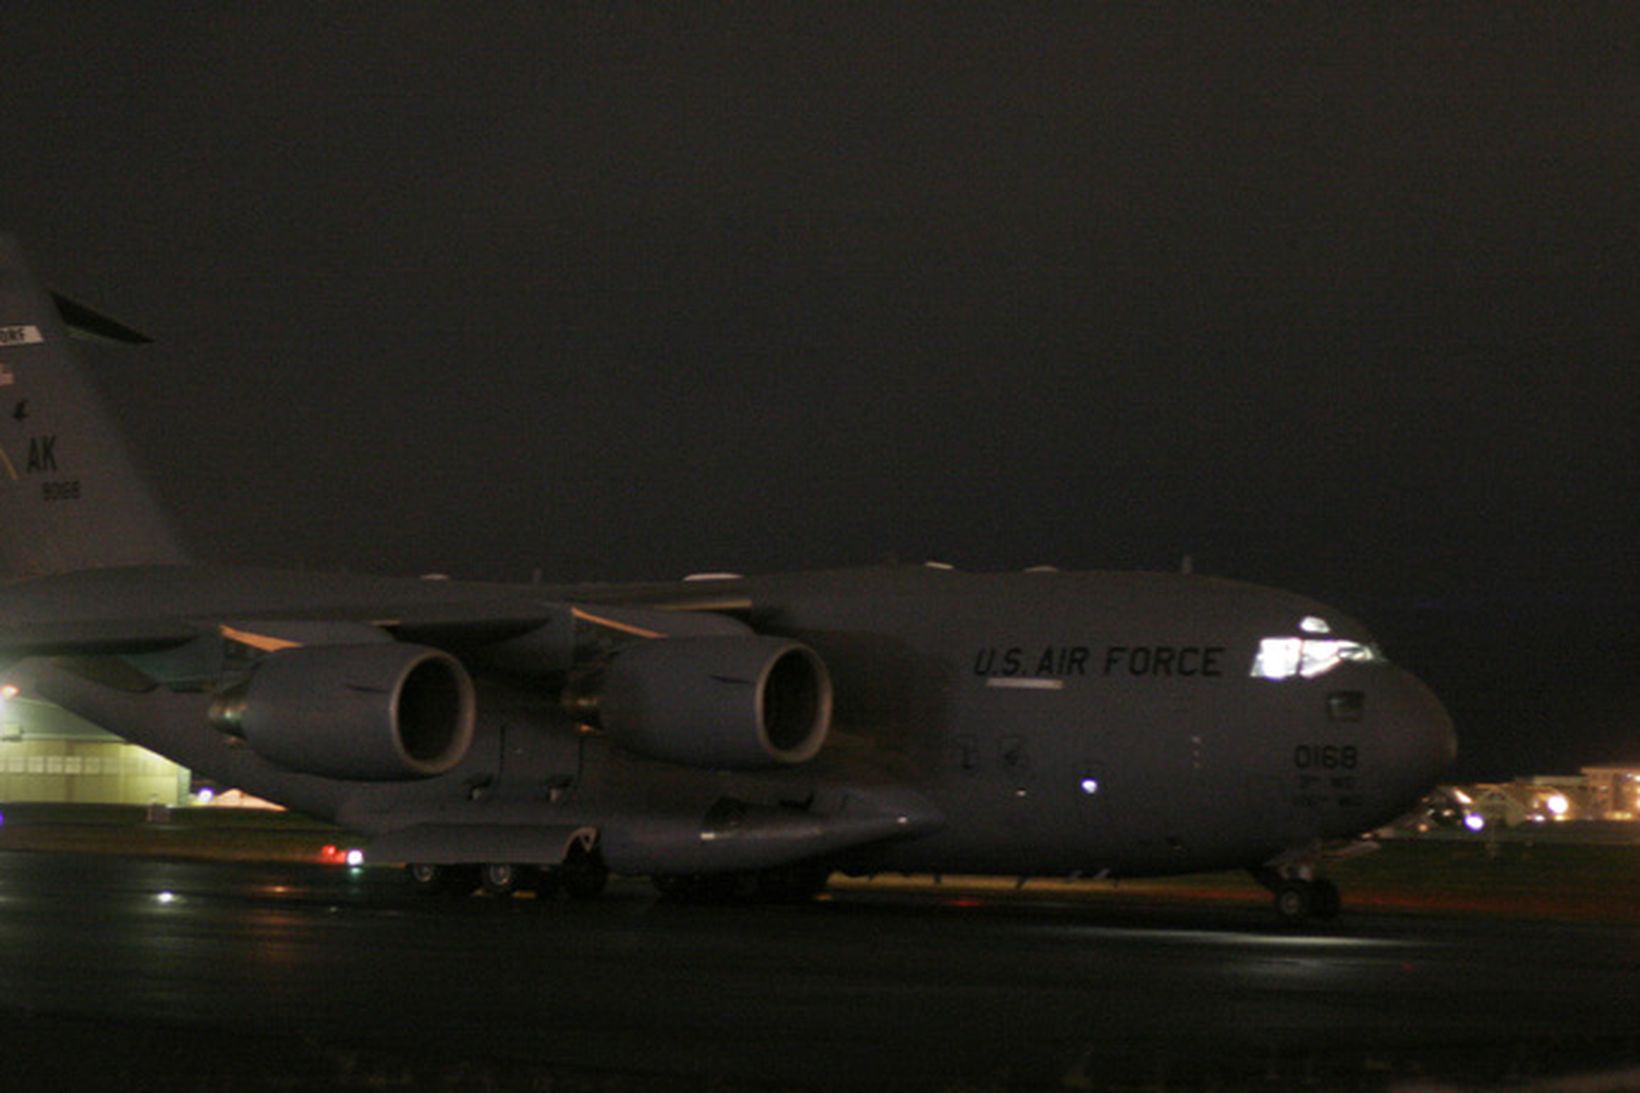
133,972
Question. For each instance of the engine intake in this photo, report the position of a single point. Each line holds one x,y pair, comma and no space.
379,712
727,703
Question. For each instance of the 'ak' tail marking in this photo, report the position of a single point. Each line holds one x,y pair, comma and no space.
69,496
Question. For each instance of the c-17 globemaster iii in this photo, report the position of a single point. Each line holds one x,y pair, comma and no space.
733,734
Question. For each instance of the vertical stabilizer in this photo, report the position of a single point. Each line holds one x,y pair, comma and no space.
69,497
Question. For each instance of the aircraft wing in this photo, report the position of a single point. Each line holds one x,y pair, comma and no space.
142,610
92,637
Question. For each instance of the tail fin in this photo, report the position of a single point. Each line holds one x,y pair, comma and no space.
69,497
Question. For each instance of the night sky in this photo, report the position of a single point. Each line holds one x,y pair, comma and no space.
1338,298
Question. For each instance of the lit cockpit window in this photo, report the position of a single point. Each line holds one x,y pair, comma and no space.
1284,658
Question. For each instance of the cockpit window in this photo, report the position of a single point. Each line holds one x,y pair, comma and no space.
1308,657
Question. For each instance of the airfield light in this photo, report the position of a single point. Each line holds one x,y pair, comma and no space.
1090,786
355,858
1557,804
7,690
165,897
205,795
1474,821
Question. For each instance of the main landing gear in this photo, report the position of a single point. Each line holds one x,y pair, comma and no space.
581,876
1300,896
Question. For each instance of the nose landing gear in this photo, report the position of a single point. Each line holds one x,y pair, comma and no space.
1300,896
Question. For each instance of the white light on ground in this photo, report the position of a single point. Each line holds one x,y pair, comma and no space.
1090,786
1557,804
355,857
1474,821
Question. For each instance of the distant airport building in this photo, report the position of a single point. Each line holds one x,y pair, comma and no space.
48,754
1603,795
1614,792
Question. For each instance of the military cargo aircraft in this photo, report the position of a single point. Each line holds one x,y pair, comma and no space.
729,735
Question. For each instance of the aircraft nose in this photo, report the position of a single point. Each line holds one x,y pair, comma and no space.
1425,740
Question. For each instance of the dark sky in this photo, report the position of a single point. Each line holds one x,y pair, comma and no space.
1341,298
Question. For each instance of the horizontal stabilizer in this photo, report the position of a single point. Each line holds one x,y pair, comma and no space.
92,326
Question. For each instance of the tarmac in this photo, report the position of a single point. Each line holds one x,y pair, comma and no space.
138,972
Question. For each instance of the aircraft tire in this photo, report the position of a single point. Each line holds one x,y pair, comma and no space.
1295,900
428,879
500,878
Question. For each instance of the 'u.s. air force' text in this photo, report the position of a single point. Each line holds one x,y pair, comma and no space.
1062,661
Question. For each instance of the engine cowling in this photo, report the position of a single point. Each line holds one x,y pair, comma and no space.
379,712
726,703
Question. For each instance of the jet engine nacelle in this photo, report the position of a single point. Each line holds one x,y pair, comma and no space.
726,703
378,712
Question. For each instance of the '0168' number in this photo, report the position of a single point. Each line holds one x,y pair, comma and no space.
1325,756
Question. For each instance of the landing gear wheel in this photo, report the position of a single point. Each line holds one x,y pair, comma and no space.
1325,899
499,878
1295,900
428,879
584,874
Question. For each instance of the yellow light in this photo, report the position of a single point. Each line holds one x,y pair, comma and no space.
8,690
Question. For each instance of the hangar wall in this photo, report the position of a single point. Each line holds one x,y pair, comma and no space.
47,754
